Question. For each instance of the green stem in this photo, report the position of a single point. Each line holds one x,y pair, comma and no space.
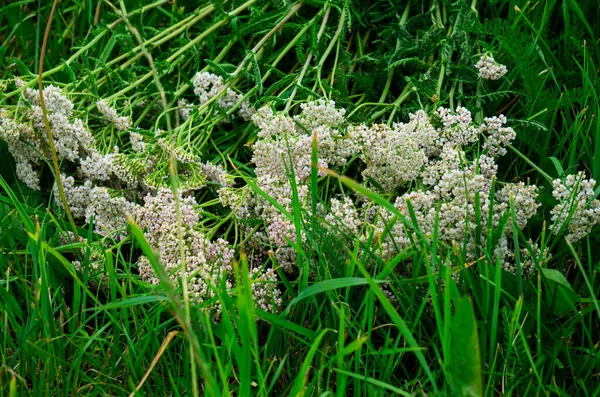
174,58
159,39
262,42
61,190
531,163
307,62
148,56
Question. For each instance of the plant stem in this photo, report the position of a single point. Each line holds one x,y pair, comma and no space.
148,56
61,191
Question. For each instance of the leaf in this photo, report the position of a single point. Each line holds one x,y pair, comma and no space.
463,364
130,302
18,206
557,165
561,296
302,378
374,381
328,285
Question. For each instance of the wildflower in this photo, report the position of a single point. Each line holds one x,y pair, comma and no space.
345,214
97,167
207,263
498,136
457,127
265,293
96,203
208,85
120,123
577,207
184,109
9,130
489,69
536,256
137,142
320,113
215,173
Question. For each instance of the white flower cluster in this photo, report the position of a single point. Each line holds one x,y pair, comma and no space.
345,214
9,130
23,144
137,142
97,166
96,202
71,137
184,109
208,264
536,256
208,85
498,136
577,207
216,173
457,207
489,69
121,123
285,147
459,197
266,295
458,128
395,155
28,142
320,113
450,192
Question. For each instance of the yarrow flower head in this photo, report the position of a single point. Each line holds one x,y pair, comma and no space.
489,69
208,85
120,123
28,141
208,264
578,210
97,204
453,189
9,130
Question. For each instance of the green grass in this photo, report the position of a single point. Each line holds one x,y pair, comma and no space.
426,321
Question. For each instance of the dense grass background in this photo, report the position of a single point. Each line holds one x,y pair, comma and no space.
492,333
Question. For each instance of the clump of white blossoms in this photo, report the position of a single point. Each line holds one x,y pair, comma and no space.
216,174
208,85
577,206
284,147
137,142
457,203
96,203
184,109
28,141
9,130
97,166
208,264
395,155
345,214
529,258
121,123
489,69
427,164
71,136
22,144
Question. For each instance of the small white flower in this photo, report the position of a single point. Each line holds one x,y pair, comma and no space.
489,69
120,123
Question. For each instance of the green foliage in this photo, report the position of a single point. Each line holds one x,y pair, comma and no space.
354,325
